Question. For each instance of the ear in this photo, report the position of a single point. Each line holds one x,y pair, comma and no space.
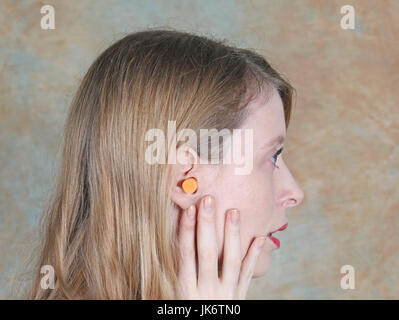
187,166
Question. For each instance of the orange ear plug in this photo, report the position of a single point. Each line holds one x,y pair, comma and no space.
189,185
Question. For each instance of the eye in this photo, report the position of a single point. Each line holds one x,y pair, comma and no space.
275,157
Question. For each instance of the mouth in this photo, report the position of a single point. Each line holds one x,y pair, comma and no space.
274,239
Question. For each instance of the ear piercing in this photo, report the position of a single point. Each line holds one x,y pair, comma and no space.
190,185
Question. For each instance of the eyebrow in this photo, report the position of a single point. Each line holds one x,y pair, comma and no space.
276,140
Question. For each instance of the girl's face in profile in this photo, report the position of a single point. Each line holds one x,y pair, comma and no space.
263,195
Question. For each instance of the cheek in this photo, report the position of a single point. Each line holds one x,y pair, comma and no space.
257,209
253,196
258,196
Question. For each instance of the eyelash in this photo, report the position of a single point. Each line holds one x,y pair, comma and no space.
275,158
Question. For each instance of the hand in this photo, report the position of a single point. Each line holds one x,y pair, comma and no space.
206,284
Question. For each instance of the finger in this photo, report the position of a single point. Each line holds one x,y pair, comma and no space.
232,250
186,244
248,266
206,243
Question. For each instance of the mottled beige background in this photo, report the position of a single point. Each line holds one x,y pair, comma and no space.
342,143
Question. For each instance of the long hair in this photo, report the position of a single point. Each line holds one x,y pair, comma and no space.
108,229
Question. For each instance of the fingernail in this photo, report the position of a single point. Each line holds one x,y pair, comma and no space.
191,211
261,242
235,216
208,202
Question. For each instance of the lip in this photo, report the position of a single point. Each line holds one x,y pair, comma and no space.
281,228
274,239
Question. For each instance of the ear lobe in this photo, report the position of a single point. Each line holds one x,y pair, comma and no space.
181,198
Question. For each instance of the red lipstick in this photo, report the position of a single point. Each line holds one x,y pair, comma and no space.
275,240
282,228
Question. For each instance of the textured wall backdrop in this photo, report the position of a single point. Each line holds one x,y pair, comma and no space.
342,143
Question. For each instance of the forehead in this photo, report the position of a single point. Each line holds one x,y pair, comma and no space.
266,117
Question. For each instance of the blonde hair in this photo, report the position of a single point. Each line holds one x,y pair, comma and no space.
108,227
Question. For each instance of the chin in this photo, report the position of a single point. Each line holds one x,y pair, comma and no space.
262,265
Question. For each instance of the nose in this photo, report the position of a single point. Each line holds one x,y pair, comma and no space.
290,194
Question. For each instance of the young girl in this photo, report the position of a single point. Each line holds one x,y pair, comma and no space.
120,227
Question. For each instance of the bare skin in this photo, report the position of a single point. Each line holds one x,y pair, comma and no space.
218,258
199,276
